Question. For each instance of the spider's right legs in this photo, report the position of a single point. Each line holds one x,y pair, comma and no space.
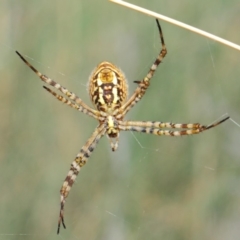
76,165
145,83
70,95
155,128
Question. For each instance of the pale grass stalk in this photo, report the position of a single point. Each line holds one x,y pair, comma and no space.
175,22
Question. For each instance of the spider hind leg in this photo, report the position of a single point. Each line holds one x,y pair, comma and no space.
61,219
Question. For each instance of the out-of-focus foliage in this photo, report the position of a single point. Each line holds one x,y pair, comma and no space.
152,187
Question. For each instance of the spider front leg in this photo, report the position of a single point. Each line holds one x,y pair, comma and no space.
82,106
63,99
76,165
70,103
156,127
145,83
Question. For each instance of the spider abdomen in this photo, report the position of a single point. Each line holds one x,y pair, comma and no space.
107,87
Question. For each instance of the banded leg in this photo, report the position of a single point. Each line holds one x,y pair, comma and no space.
155,127
144,84
76,165
84,108
68,102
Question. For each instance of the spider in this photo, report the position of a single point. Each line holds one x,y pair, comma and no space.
108,91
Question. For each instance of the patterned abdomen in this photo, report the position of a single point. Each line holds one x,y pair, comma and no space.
107,87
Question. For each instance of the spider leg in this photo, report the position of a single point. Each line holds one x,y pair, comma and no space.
145,83
65,91
69,103
217,123
155,127
76,165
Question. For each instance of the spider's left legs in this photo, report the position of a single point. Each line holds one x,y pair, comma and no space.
76,165
82,106
144,84
70,103
156,127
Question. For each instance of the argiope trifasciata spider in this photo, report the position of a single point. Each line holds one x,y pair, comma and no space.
108,91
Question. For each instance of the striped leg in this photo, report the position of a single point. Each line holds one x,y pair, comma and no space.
155,127
69,103
70,95
76,165
144,84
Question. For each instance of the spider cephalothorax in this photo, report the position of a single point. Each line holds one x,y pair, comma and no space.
108,92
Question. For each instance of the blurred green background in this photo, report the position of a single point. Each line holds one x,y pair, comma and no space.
185,188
